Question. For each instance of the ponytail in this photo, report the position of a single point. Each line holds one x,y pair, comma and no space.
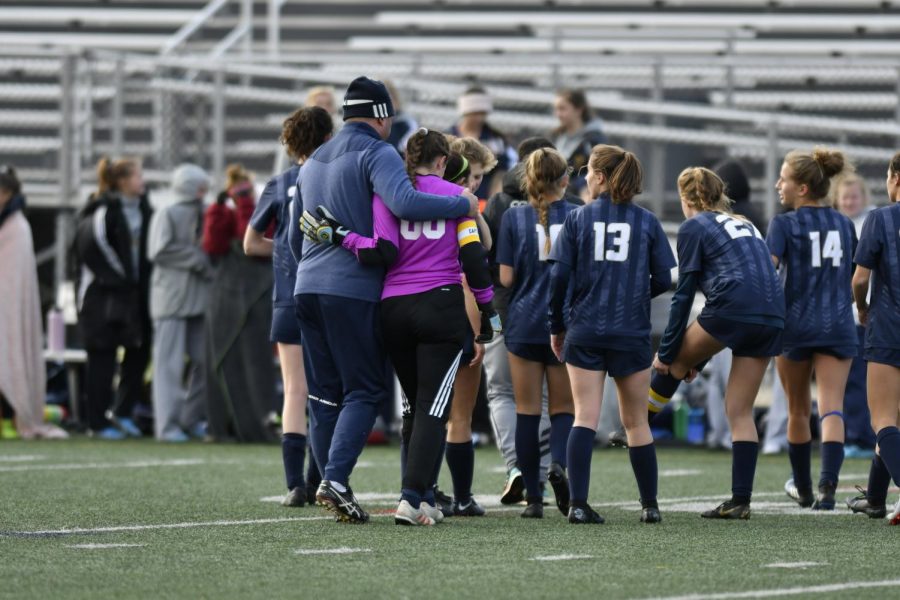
423,148
544,170
623,171
816,169
703,190
110,173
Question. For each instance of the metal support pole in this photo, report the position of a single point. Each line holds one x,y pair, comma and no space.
557,76
66,164
729,72
658,150
274,29
247,20
218,127
897,109
118,105
772,162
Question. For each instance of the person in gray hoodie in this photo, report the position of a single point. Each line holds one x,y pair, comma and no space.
179,295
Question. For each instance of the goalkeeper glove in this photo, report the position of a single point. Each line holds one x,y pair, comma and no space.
490,323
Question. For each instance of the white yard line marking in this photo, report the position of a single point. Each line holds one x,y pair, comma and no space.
20,458
311,551
102,546
680,472
186,525
138,464
563,557
795,591
794,565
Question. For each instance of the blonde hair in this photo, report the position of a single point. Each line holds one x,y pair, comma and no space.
320,89
703,190
623,171
474,152
847,180
544,170
816,169
111,172
236,173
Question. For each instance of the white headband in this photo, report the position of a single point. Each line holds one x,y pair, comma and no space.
474,103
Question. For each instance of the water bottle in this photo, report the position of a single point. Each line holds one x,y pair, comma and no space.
56,331
680,420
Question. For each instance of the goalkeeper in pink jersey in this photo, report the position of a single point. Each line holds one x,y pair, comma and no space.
422,310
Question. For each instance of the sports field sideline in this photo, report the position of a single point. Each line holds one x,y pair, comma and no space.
89,520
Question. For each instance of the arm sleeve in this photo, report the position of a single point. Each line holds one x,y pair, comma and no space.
776,239
679,313
473,256
167,251
389,180
559,284
382,249
264,213
219,226
661,262
868,251
505,241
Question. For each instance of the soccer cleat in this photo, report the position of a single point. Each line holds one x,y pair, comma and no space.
110,434
295,498
443,502
534,510
560,484
860,504
407,515
343,504
468,509
514,491
618,438
650,514
432,512
584,515
894,517
805,498
728,510
826,497
128,426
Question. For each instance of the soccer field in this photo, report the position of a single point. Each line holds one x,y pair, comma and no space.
84,519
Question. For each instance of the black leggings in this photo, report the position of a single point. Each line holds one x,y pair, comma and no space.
424,335
99,394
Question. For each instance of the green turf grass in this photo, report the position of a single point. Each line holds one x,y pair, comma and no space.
490,557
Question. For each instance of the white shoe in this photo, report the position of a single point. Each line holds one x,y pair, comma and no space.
432,512
407,515
894,516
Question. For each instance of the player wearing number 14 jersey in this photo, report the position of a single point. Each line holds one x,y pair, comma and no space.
812,246
726,257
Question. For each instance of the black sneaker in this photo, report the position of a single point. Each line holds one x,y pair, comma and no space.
584,515
514,490
560,484
295,497
468,509
826,497
860,504
804,498
343,504
618,438
534,510
311,489
728,510
443,502
650,514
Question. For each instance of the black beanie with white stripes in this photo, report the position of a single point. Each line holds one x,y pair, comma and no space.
367,98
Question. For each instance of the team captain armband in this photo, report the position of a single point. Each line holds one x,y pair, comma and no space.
467,232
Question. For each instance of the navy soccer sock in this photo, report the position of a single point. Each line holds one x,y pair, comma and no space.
560,426
743,469
580,451
528,452
799,455
832,459
461,461
411,496
662,388
643,463
879,482
293,454
888,440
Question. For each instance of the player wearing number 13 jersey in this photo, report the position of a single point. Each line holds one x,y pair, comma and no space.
727,258
812,246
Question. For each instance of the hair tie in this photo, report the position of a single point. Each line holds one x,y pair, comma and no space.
422,130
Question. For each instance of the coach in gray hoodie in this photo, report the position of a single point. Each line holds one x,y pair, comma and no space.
179,294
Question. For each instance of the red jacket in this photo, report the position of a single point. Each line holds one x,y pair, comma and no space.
222,224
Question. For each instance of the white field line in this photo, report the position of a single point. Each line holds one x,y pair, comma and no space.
137,464
680,472
562,557
794,591
794,565
311,551
104,546
20,458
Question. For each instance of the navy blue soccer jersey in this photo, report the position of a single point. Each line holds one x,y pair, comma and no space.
879,250
814,246
736,271
612,249
522,247
275,205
